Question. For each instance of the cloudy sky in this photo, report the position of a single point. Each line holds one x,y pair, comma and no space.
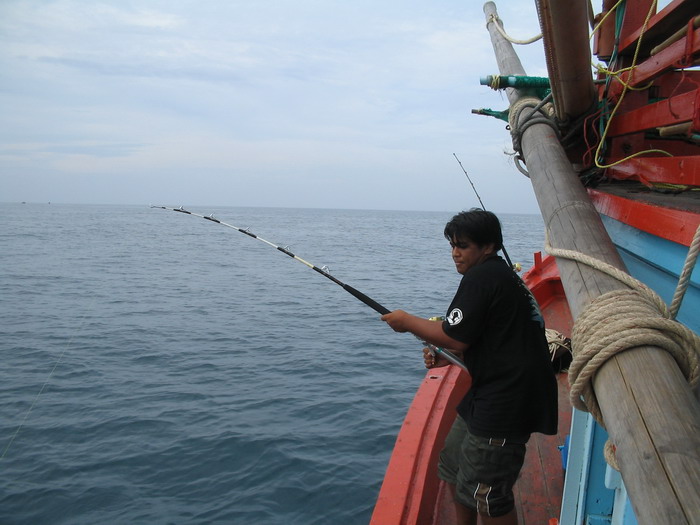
304,103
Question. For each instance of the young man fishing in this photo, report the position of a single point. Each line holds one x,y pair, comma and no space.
495,325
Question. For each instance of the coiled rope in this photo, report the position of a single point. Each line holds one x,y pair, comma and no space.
624,319
542,113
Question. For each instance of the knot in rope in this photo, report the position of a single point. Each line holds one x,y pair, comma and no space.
543,108
621,320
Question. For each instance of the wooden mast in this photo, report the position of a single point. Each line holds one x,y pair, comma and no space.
565,31
650,411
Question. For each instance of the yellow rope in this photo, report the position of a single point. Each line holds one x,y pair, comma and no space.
625,87
617,75
602,20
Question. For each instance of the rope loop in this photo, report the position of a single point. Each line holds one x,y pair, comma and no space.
618,321
542,113
622,320
684,279
499,23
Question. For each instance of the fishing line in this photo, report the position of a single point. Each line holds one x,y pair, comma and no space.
323,271
503,248
48,379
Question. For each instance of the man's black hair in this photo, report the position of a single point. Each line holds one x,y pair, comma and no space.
477,225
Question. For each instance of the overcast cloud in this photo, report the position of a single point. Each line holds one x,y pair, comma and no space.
304,103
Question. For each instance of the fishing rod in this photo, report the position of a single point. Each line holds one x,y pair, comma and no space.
323,271
503,248
470,182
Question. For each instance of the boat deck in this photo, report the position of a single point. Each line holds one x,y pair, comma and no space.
688,201
539,490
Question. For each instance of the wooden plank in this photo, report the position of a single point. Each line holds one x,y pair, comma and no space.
574,93
635,11
531,491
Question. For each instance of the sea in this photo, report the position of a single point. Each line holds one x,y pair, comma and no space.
157,368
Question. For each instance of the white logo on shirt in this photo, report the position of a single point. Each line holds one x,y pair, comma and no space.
455,317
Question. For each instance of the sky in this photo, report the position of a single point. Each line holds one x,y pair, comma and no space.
299,104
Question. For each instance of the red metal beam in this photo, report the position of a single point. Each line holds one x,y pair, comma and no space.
674,110
654,66
669,170
635,13
674,14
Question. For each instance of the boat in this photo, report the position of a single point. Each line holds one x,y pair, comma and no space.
613,154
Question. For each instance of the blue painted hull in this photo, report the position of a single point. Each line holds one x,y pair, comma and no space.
593,492
657,263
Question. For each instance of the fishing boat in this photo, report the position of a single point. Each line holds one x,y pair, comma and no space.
613,155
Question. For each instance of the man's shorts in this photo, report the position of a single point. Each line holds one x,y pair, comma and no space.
483,470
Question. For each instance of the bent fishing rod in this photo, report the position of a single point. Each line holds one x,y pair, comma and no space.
449,356
503,248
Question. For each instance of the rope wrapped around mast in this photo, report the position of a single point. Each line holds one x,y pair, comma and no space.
542,113
622,320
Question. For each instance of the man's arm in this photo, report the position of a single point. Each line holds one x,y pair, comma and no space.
425,329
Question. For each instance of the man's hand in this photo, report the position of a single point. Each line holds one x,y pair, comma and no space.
398,320
433,361
426,330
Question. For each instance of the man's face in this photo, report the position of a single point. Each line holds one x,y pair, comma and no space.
466,254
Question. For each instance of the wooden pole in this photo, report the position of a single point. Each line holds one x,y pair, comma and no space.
565,33
650,411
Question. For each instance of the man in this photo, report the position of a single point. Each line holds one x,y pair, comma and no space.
495,325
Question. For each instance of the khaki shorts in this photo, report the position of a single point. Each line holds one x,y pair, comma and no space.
483,470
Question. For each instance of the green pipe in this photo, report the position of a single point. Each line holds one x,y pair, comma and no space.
514,81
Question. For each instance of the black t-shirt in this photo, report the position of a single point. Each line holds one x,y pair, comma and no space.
514,390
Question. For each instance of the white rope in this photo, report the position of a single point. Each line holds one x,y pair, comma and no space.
687,271
498,23
621,320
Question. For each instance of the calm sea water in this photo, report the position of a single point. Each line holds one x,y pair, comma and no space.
157,368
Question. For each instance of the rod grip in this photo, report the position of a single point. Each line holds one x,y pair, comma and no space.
367,300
